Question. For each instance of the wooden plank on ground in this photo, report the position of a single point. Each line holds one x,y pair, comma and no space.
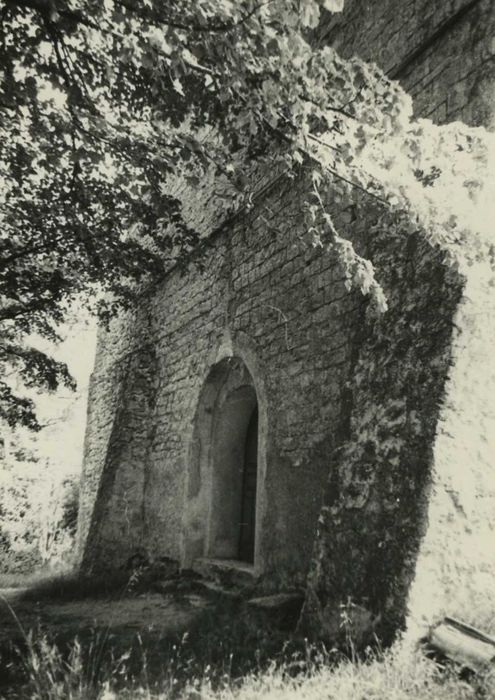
462,644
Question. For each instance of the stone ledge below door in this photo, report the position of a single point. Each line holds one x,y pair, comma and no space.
226,572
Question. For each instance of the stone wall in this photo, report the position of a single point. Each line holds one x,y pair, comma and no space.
455,573
375,509
342,393
361,417
262,295
442,52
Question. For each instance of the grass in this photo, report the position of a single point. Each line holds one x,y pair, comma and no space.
17,580
69,585
392,675
47,667
309,674
225,655
228,656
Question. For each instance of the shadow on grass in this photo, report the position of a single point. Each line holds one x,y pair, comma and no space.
224,644
71,586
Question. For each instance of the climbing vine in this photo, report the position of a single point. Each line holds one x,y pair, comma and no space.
114,113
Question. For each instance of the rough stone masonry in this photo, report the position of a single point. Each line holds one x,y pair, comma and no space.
371,482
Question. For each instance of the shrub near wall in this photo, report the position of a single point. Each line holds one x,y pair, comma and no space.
38,516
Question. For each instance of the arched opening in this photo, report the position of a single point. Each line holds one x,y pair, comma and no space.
224,495
248,496
234,465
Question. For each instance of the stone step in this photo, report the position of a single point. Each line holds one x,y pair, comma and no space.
185,586
226,572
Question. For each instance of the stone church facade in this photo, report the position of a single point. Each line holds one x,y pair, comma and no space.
253,415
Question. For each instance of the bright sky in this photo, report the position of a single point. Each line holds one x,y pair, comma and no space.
64,412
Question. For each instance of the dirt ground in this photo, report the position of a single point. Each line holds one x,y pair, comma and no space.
152,612
135,625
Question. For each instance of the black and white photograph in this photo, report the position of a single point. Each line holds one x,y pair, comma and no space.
247,349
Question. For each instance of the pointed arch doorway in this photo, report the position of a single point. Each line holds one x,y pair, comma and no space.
223,506
234,471
247,525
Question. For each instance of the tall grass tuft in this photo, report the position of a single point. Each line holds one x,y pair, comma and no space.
227,655
392,675
180,670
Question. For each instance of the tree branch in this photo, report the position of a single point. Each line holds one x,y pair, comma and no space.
46,10
18,309
25,252
154,18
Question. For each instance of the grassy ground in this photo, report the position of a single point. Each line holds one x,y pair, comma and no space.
215,651
25,580
47,585
310,674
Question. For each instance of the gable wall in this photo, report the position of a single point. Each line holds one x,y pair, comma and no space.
264,295
329,375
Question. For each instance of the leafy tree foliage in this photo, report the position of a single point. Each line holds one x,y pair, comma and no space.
105,104
38,508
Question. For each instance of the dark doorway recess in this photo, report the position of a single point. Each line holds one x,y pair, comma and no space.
248,494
